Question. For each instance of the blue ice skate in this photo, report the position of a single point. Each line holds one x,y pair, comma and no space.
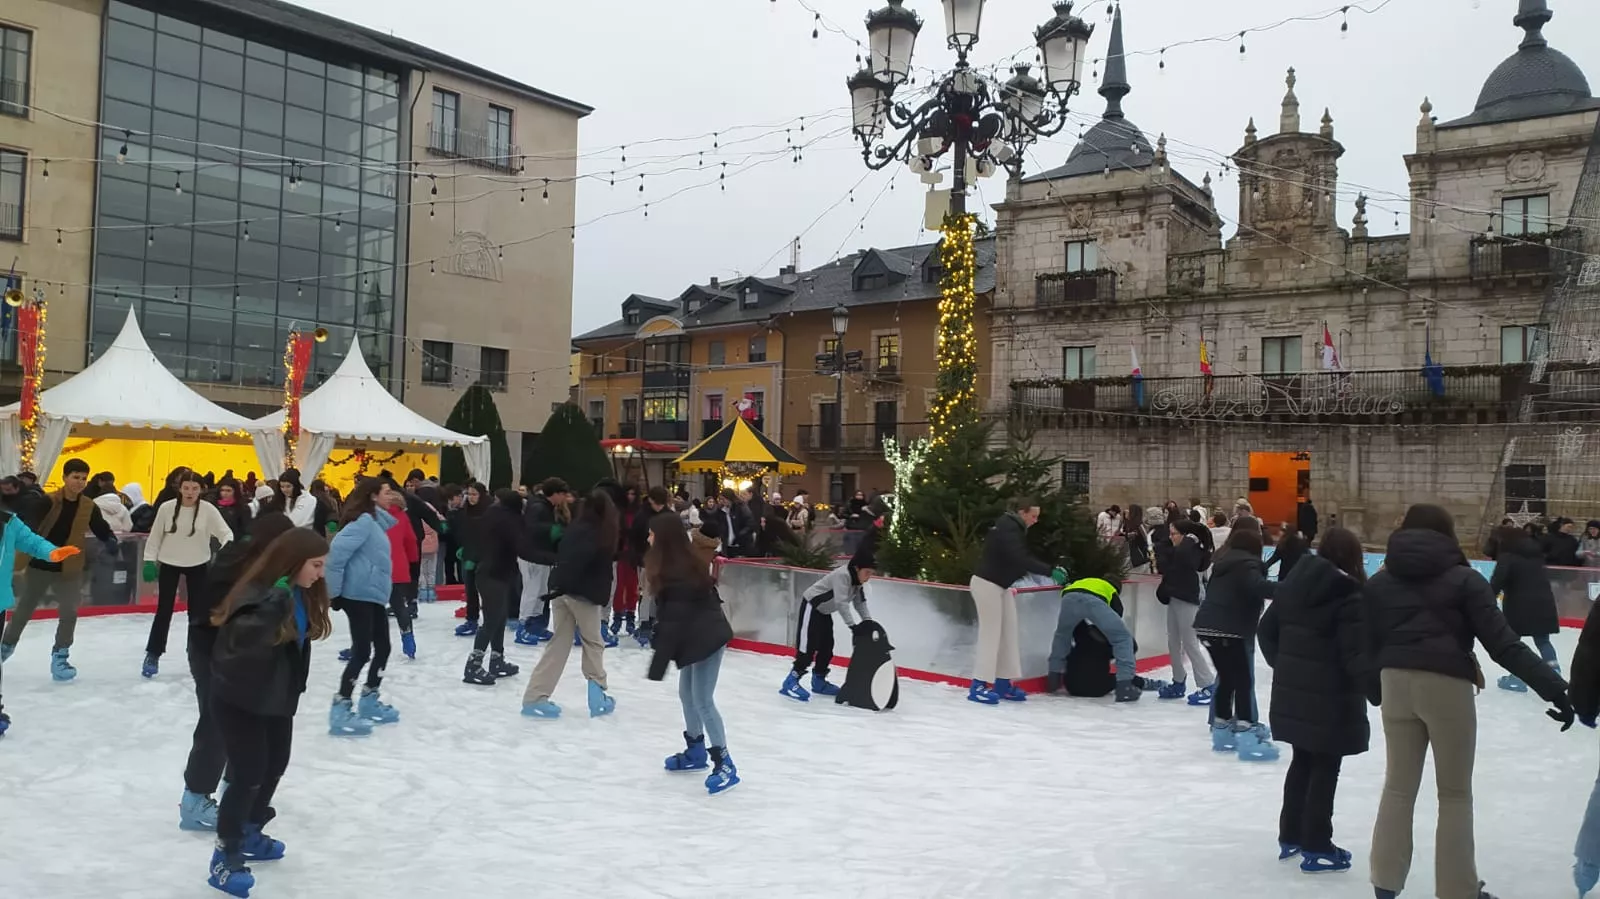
6,649
821,687
1287,851
979,692
5,723
792,689
258,847
692,758
1203,696
344,654
643,633
1253,745
373,709
607,636
1511,683
1155,685
408,645
544,708
1006,690
62,671
1222,737
599,702
525,636
546,636
229,874
344,722
468,628
577,638
724,776
197,811
1175,690
1325,862
1585,875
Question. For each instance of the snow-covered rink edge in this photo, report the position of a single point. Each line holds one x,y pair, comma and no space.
938,798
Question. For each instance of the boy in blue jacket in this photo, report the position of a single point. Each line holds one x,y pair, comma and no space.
16,537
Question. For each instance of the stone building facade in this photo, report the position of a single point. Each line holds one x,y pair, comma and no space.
1370,371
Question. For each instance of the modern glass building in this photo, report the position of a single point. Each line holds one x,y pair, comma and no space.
245,188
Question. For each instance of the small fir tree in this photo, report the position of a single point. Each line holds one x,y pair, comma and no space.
568,449
475,414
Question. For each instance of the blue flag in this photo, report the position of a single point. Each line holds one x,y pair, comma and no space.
1432,372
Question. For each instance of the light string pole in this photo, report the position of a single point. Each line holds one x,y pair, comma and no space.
983,125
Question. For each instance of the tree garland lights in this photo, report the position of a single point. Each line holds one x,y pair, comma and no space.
905,462
32,358
956,396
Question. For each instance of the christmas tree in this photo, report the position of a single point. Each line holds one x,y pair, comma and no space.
568,449
475,414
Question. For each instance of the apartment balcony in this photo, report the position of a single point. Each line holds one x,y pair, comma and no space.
1073,288
666,378
474,147
664,431
858,439
1521,255
627,430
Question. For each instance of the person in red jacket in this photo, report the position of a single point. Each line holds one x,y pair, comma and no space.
404,555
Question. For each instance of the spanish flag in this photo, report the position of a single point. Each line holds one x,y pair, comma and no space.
1205,367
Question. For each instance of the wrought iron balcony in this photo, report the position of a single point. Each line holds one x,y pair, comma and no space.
1072,288
474,147
1524,255
665,431
858,439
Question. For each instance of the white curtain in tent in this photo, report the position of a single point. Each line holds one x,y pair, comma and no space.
10,445
270,452
478,460
51,433
312,452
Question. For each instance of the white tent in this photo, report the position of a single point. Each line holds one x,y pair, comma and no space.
127,387
353,406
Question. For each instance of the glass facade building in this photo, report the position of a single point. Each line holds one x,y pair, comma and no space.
246,186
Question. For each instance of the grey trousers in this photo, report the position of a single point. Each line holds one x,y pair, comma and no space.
1182,641
1423,710
68,592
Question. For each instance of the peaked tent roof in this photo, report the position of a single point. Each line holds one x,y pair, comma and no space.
738,442
129,387
353,405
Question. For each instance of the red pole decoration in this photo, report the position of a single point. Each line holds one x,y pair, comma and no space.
28,357
296,362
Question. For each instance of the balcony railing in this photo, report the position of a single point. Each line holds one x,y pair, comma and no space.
665,431
1355,394
709,426
858,438
474,147
1071,288
1522,254
658,378
13,97
627,430
10,221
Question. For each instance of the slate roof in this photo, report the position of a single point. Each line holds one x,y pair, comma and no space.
1114,141
1536,81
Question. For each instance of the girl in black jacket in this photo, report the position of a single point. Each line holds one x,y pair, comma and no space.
692,632
580,586
258,671
466,527
1227,623
1312,637
495,573
1290,550
1527,600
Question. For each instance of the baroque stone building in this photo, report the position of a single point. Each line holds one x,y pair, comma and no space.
1298,355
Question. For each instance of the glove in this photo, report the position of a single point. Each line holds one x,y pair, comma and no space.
473,566
150,569
64,553
458,554
1059,576
556,531
1562,712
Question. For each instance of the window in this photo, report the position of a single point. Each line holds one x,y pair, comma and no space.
751,298
758,403
492,365
13,189
631,317
1082,256
443,133
1525,215
1075,477
630,411
436,361
933,274
500,135
16,50
597,365
872,282
758,348
1280,355
714,407
888,353
1526,489
633,358
828,426
717,353
597,416
1077,362
666,407
1516,343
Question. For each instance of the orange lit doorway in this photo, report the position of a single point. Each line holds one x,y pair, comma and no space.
1278,481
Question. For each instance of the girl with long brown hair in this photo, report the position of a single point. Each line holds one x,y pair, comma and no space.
258,671
361,577
581,583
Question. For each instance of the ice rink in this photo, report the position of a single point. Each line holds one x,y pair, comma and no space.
939,798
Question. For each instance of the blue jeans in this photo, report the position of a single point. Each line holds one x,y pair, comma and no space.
1547,650
1077,608
697,687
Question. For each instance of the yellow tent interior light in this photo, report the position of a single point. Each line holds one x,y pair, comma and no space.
737,483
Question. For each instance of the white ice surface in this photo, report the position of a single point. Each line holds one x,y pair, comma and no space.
939,798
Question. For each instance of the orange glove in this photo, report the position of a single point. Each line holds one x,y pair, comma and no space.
64,553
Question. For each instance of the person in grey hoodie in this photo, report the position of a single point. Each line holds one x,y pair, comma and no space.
841,590
1589,545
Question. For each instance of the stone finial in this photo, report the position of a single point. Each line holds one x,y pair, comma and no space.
1289,121
1427,110
1359,223
1250,132
1205,185
1425,132
1531,18
1327,124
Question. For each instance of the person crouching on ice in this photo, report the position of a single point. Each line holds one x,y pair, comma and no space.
841,590
1090,599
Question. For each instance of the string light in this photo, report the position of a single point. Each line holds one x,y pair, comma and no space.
956,396
177,185
1241,46
547,190
45,174
122,154
1344,25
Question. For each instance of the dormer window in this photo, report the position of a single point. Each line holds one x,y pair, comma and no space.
933,274
872,282
751,298
631,317
694,306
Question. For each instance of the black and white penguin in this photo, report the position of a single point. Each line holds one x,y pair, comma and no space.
872,682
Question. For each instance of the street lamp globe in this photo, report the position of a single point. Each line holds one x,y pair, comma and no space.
841,320
869,101
962,18
1022,97
891,36
1063,42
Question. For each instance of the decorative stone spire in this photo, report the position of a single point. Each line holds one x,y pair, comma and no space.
1359,223
1531,17
1250,132
1114,86
1327,124
1206,184
1425,132
1289,121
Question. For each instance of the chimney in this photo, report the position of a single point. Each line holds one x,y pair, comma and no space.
714,283
786,270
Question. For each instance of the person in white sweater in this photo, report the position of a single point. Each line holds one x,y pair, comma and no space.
180,546
300,506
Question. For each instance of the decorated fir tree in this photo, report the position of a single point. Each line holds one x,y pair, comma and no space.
475,414
568,449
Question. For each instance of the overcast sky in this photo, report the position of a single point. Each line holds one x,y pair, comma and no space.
686,68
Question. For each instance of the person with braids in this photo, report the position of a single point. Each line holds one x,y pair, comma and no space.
360,577
179,548
259,668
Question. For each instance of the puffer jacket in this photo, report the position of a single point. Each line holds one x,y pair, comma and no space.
1312,637
690,627
1180,568
1529,603
249,668
1006,558
1426,607
359,564
583,568
1238,590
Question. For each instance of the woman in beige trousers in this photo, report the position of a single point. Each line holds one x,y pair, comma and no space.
1005,561
581,585
1423,612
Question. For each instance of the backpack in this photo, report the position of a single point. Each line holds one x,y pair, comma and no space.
430,537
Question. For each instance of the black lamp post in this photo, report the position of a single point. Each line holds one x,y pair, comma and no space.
835,365
969,115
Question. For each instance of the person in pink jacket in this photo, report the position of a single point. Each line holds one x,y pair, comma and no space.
404,552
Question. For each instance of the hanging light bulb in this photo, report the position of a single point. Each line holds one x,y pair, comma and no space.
641,184
338,222
299,291
501,252
431,269
816,25
150,237
430,210
122,154
547,191
46,173
1162,63
624,154
177,185
1344,26
1241,46
433,186
524,197
58,237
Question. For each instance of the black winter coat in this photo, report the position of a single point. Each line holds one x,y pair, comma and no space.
690,626
249,669
1312,637
1425,608
536,544
1529,604
1586,668
466,527
1562,550
498,532
583,566
224,572
1180,568
1305,520
1235,595
1287,554
1006,558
